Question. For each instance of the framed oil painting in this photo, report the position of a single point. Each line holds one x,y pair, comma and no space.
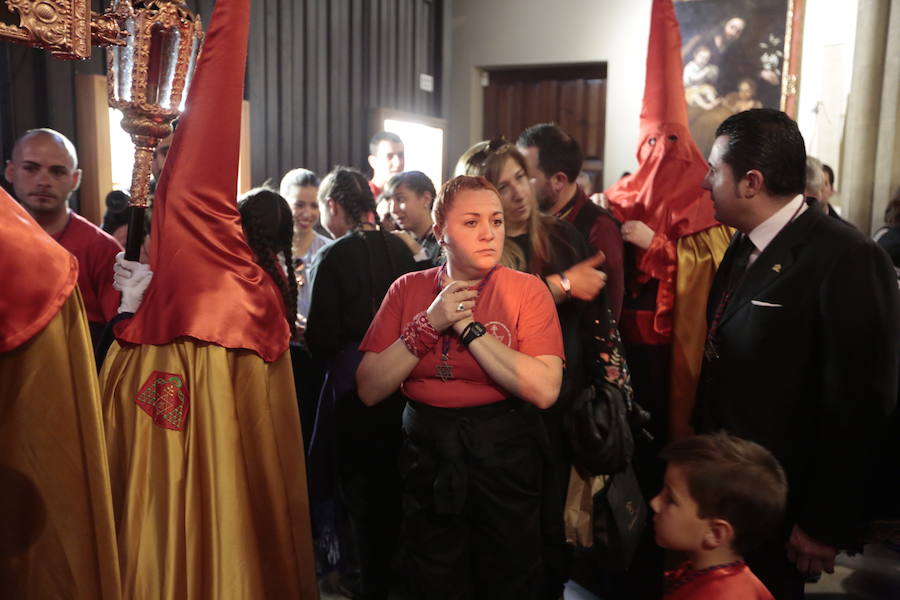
737,55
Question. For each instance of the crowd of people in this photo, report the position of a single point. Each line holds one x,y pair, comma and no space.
395,389
455,334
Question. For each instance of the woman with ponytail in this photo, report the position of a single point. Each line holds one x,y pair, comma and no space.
354,449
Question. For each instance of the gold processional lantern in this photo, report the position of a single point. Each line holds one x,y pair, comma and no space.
65,28
147,79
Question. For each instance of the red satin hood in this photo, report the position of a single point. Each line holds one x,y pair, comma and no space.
38,275
206,284
664,191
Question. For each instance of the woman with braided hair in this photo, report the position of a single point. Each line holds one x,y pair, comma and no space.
354,449
268,224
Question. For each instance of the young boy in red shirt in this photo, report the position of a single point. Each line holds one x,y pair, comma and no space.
721,497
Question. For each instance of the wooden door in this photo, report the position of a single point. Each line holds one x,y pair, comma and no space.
573,96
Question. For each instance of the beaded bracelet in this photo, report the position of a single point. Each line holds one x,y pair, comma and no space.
419,336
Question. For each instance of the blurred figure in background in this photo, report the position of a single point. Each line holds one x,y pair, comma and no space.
386,158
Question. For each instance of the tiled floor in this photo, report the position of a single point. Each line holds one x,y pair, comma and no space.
873,575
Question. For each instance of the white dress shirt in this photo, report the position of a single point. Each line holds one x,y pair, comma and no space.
763,234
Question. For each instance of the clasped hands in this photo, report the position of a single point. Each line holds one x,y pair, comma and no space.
445,311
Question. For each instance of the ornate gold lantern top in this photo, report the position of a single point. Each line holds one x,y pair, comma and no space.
147,79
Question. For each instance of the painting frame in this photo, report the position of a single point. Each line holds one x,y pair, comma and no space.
736,55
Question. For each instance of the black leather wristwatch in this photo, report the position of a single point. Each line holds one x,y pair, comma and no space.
472,332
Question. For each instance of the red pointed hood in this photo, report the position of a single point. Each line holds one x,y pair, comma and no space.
206,284
664,191
38,275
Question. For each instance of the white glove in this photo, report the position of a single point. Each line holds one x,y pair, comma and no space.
131,278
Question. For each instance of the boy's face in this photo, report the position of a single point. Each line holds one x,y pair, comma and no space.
676,520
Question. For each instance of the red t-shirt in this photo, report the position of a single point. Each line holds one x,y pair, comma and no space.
96,253
727,583
514,307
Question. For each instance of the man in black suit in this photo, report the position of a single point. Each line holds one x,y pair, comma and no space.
804,344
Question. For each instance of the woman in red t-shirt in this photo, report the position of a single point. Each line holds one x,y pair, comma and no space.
475,347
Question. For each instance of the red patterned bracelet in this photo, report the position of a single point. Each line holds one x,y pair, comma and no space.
419,335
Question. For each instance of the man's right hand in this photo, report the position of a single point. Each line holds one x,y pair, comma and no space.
585,278
810,556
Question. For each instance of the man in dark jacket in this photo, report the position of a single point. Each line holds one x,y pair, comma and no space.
803,347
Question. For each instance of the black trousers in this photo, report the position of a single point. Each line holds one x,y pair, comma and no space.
472,498
368,448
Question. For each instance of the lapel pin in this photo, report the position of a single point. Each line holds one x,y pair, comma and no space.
776,267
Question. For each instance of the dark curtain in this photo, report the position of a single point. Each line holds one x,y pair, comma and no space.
318,68
315,72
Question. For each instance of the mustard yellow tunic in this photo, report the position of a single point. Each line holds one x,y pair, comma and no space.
57,538
208,475
699,256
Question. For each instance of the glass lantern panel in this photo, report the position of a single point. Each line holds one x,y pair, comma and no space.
196,44
123,64
169,42
159,59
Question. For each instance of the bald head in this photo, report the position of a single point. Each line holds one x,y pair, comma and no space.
51,135
44,172
815,178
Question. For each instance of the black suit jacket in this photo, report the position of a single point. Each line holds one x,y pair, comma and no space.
809,348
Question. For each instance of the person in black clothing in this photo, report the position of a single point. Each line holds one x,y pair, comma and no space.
803,346
354,449
888,236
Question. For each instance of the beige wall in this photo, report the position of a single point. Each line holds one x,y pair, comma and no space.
495,33
826,67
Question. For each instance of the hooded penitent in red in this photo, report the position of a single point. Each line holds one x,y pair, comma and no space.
664,192
206,284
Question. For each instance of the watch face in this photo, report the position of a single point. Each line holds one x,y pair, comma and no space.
473,332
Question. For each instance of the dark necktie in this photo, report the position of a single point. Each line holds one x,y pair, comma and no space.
742,251
741,260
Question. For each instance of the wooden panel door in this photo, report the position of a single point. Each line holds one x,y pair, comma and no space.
573,96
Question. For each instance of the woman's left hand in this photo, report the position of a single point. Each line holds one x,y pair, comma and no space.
637,233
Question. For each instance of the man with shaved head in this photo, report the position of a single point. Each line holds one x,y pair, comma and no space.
44,172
